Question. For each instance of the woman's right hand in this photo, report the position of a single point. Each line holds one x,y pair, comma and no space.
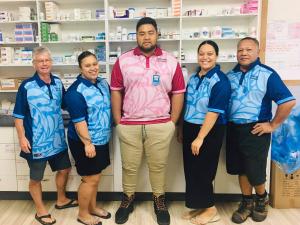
90,151
25,145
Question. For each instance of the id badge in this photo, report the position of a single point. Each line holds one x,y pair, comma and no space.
155,79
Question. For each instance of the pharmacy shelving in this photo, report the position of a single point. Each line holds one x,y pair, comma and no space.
184,29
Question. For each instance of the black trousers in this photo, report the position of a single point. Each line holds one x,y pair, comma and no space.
200,171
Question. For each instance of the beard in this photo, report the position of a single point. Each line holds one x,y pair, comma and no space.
148,49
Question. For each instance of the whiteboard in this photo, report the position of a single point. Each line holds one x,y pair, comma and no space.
283,38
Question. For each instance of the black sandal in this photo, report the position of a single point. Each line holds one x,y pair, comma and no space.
81,221
41,221
108,215
70,204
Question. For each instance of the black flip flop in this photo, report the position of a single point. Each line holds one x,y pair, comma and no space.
70,204
80,221
103,217
41,221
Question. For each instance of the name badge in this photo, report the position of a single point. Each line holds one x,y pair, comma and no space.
155,79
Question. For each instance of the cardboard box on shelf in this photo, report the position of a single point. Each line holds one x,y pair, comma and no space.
9,84
285,188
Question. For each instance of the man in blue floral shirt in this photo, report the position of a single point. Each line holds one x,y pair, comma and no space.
39,124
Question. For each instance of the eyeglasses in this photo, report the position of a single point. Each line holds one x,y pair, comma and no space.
42,61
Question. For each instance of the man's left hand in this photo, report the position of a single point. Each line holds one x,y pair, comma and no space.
262,128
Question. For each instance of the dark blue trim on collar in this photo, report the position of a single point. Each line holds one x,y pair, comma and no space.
210,73
87,82
237,68
40,82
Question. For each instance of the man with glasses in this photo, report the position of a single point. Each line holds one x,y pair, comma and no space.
39,124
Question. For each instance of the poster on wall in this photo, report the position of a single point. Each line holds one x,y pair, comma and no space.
283,48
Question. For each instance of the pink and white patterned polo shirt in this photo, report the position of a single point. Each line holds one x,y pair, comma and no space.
147,84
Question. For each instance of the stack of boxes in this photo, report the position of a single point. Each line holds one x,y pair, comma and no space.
51,10
45,31
99,14
176,7
50,32
157,12
25,13
5,16
25,32
82,14
161,12
22,55
228,32
9,55
55,32
6,55
100,53
249,6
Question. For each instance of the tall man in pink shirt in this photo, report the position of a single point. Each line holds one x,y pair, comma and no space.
147,97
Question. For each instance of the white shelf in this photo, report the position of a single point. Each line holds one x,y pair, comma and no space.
73,42
128,41
202,39
19,21
10,1
8,91
73,64
57,64
19,43
220,16
72,21
15,65
175,39
120,41
65,64
195,61
137,18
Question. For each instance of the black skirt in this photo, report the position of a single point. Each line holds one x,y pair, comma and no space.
200,170
89,166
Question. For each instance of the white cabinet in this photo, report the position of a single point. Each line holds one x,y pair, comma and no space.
7,160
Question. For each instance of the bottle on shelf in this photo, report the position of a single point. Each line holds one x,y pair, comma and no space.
159,33
182,55
119,51
1,36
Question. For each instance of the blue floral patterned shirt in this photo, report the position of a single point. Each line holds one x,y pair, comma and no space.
39,106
